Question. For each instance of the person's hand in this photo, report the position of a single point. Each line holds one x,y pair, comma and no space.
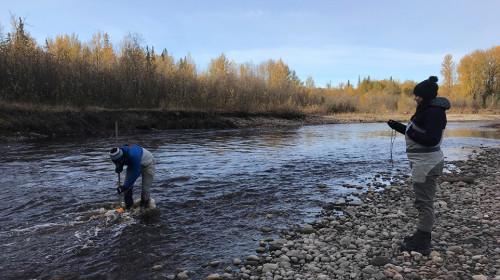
392,124
399,127
119,168
121,189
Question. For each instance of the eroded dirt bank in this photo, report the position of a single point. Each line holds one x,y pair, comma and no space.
18,123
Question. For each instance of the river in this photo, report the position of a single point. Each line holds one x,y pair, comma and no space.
214,191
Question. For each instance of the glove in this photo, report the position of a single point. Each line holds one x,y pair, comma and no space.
119,168
399,127
121,189
392,124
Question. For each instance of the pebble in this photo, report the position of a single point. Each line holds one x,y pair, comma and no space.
157,267
213,277
266,229
253,258
371,233
363,243
307,229
182,276
380,261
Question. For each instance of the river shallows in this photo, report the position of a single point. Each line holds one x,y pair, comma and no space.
214,189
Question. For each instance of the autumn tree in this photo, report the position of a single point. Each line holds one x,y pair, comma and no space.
310,83
68,72
220,89
492,70
448,71
281,83
251,87
103,56
478,74
392,88
364,85
407,87
20,65
132,65
67,54
103,63
186,83
165,71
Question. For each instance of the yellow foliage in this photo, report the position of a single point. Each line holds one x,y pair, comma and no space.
94,74
405,104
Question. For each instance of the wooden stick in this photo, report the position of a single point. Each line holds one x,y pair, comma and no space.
116,142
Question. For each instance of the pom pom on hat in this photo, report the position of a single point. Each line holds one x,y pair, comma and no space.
116,154
427,89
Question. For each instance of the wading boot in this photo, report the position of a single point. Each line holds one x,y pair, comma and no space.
420,242
408,238
145,203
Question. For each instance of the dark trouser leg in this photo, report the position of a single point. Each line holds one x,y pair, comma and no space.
424,198
129,201
127,196
425,192
424,203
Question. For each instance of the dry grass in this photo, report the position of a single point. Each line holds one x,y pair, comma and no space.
383,117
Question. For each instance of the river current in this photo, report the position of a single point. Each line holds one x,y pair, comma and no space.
214,190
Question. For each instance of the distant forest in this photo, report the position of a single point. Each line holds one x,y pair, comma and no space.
68,73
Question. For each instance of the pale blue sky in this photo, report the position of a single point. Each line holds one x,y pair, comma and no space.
331,41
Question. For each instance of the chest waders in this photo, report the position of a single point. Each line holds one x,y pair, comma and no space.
427,165
147,171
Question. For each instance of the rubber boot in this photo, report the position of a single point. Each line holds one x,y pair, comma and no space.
409,237
145,203
144,200
420,242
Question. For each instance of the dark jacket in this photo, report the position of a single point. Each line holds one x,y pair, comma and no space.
431,118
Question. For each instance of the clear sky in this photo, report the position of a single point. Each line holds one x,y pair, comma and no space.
330,41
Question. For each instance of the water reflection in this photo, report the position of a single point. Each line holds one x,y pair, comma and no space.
473,130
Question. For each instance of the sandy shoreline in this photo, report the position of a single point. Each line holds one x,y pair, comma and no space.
349,118
362,243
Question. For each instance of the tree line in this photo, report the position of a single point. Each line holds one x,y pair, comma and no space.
69,73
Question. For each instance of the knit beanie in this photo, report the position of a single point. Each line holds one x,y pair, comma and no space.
427,89
116,154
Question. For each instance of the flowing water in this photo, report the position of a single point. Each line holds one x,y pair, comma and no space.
214,191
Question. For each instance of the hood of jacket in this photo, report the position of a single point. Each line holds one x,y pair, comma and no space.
441,102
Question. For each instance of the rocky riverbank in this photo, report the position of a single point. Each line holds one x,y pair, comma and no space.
362,243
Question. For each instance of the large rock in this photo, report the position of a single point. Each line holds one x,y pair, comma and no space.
307,230
380,261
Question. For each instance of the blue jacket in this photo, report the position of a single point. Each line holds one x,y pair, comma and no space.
133,157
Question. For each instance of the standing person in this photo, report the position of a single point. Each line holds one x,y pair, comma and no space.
138,161
423,135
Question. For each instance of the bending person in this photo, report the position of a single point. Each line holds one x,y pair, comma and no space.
138,161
